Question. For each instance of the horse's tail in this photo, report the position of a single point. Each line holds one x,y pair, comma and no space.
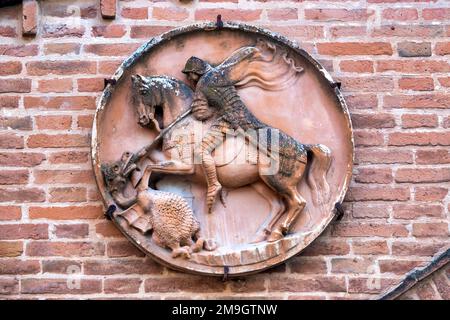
317,175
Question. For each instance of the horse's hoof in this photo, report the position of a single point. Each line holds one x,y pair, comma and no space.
275,235
210,245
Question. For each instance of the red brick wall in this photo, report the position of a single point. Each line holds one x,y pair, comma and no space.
392,58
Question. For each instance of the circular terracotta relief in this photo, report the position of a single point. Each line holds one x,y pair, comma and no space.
221,151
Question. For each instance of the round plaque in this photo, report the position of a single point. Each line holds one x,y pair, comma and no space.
221,150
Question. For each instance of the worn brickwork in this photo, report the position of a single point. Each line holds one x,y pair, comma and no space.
392,58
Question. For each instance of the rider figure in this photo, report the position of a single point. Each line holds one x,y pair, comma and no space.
215,88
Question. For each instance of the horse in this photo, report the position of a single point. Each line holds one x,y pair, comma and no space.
159,100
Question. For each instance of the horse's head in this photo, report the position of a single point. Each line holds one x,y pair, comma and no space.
148,98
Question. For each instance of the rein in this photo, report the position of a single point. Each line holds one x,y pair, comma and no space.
144,151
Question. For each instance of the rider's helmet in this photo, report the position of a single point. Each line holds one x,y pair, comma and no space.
196,65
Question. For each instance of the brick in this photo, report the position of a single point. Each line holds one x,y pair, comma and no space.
72,231
22,195
373,121
368,138
413,66
85,121
338,14
107,229
134,13
409,30
122,286
57,141
108,8
378,194
444,81
411,212
248,284
373,211
186,283
65,249
10,68
347,31
414,49
69,194
108,67
90,84
367,84
61,266
11,248
430,193
63,176
14,177
369,230
419,138
361,101
9,286
227,14
42,68
16,123
282,14
359,66
408,248
398,266
61,30
109,31
9,102
369,175
324,248
62,48
436,14
122,266
15,85
441,283
66,212
53,122
419,175
306,265
143,32
11,141
377,156
19,50
8,31
60,102
60,286
416,84
21,159
436,229
121,248
316,284
18,267
419,121
372,285
24,231
370,247
354,48
433,156
400,14
10,213
351,265
69,157
170,13
30,9
116,49
55,85
442,48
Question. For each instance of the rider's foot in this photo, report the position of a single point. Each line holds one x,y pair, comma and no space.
275,235
213,191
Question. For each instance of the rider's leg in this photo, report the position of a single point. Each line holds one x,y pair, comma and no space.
211,141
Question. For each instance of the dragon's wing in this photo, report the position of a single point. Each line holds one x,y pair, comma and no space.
137,218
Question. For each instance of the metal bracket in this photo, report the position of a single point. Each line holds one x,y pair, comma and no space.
226,271
336,84
219,22
109,81
339,211
109,212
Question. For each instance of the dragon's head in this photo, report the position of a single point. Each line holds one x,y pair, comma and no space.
116,174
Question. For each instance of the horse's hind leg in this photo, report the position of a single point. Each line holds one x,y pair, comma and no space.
295,205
